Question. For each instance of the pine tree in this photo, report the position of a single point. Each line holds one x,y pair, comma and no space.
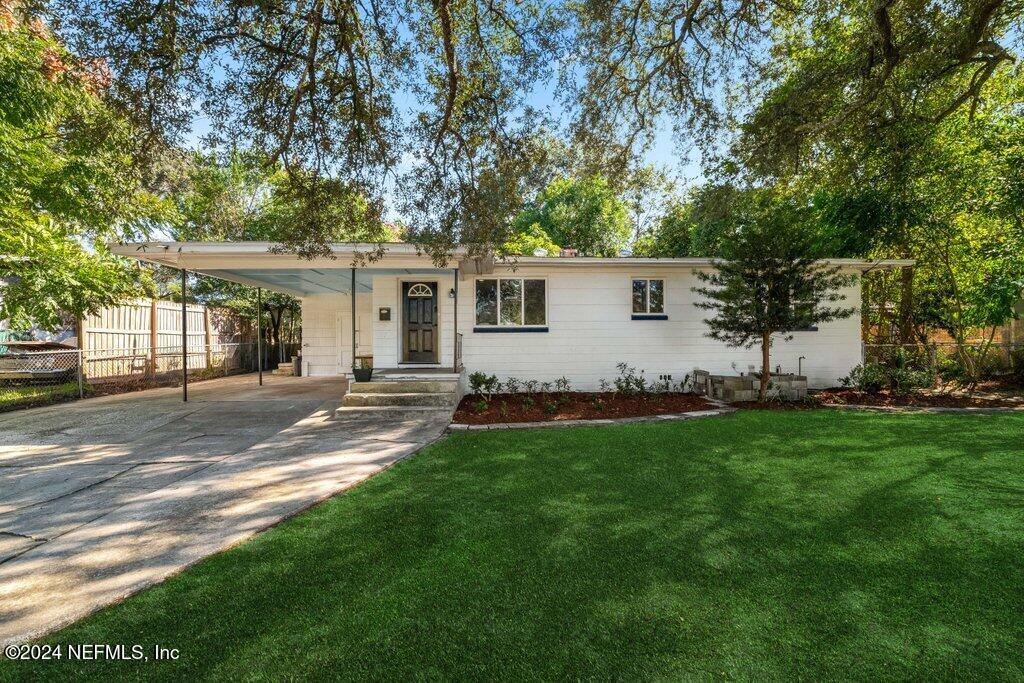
770,283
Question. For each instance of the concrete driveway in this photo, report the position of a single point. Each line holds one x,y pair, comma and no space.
102,497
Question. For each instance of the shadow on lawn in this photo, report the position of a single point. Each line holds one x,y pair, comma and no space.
761,545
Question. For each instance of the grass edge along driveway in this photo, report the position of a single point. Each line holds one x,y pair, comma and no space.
763,544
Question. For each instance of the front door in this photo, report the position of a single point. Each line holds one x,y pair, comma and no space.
419,321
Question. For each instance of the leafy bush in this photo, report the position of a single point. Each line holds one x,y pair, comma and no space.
563,385
1017,365
901,380
512,385
629,381
483,385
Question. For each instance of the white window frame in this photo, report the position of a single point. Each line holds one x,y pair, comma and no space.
647,296
522,302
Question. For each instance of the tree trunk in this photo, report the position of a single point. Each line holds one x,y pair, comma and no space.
275,333
906,313
766,340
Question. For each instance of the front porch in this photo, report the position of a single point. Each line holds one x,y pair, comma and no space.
402,323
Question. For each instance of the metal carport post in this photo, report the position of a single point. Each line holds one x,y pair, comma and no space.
259,332
184,337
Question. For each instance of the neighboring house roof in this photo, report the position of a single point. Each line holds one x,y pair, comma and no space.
265,264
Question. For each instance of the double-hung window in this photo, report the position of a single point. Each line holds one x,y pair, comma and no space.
511,304
649,299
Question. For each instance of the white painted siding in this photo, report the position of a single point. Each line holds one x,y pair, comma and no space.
327,332
591,330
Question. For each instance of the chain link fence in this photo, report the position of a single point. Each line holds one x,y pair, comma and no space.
29,377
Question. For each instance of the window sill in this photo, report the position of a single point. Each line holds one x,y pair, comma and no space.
487,328
649,316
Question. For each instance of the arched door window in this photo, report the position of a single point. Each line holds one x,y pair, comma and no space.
420,290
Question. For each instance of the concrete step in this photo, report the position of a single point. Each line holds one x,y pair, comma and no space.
413,376
284,372
403,387
398,399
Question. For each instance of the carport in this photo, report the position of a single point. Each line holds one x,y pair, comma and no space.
265,266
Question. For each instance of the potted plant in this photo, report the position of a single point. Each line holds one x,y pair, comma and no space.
363,368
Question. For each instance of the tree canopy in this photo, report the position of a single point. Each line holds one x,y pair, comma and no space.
348,90
579,213
66,183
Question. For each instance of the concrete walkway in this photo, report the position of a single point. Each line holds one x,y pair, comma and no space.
102,497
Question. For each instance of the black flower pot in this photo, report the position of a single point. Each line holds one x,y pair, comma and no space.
362,374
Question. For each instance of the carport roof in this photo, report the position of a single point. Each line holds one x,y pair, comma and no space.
259,264
263,264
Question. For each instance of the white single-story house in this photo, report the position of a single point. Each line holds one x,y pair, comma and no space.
538,318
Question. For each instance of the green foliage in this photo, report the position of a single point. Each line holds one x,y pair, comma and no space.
672,234
630,382
583,214
482,384
771,283
899,378
1017,365
530,239
67,182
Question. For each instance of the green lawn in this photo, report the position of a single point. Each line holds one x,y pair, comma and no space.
15,395
761,545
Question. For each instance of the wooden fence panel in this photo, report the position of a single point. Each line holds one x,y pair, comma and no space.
122,340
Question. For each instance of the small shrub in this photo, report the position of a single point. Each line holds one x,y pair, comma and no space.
503,409
563,385
900,379
545,388
550,407
481,384
604,386
870,378
629,381
512,385
1017,365
527,401
531,386
480,406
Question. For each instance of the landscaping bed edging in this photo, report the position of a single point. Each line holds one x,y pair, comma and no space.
600,422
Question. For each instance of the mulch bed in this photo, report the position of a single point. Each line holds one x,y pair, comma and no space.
835,397
575,406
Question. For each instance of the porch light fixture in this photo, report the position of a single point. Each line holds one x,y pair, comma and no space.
451,293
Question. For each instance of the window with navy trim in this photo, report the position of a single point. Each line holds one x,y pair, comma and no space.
516,303
648,298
